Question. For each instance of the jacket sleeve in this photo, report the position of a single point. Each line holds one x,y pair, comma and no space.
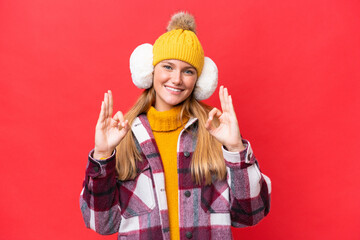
249,188
99,198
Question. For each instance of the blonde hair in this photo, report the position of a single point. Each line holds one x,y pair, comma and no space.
207,160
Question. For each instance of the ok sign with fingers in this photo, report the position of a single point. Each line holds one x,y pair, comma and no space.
228,132
109,130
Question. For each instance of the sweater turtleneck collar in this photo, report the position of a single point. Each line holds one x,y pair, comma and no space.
167,120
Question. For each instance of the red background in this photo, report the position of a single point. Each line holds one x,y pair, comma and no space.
293,68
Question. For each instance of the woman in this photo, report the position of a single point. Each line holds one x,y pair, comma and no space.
183,171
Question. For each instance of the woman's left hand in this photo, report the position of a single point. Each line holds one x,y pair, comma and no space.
228,132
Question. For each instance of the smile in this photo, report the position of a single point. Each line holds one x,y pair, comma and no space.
173,89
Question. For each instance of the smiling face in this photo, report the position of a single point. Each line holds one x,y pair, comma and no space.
174,81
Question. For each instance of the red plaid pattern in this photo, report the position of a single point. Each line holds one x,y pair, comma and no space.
137,209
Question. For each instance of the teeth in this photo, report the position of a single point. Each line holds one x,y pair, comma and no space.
173,89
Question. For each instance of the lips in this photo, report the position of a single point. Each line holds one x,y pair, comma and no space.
173,89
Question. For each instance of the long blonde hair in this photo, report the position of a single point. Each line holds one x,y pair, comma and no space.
207,160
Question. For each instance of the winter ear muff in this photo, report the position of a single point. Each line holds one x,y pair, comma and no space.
208,80
141,68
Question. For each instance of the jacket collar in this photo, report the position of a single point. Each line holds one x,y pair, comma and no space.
142,130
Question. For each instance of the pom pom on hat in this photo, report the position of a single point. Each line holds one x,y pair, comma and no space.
182,20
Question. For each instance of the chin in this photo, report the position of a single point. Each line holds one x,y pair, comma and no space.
174,102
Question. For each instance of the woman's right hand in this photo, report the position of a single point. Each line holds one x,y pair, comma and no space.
109,131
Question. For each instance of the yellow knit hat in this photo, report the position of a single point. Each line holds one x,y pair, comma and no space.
180,42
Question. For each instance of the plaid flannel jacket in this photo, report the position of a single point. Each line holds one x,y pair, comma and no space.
137,209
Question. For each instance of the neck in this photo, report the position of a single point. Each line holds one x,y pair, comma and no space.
162,107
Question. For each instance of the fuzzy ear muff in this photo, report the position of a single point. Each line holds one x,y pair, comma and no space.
208,80
141,66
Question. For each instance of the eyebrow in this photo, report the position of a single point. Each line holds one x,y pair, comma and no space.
168,62
172,64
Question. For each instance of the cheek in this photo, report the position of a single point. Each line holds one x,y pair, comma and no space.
159,77
190,83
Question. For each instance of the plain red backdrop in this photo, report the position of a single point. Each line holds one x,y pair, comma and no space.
292,67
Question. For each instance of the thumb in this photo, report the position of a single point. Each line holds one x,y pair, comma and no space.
118,119
213,113
125,127
209,126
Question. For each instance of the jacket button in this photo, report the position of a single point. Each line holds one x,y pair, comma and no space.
96,169
187,193
189,235
186,154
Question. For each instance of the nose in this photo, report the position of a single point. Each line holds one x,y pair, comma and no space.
176,78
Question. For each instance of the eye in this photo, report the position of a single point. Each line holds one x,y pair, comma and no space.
190,72
167,67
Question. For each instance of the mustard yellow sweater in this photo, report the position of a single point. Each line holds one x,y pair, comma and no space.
166,128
